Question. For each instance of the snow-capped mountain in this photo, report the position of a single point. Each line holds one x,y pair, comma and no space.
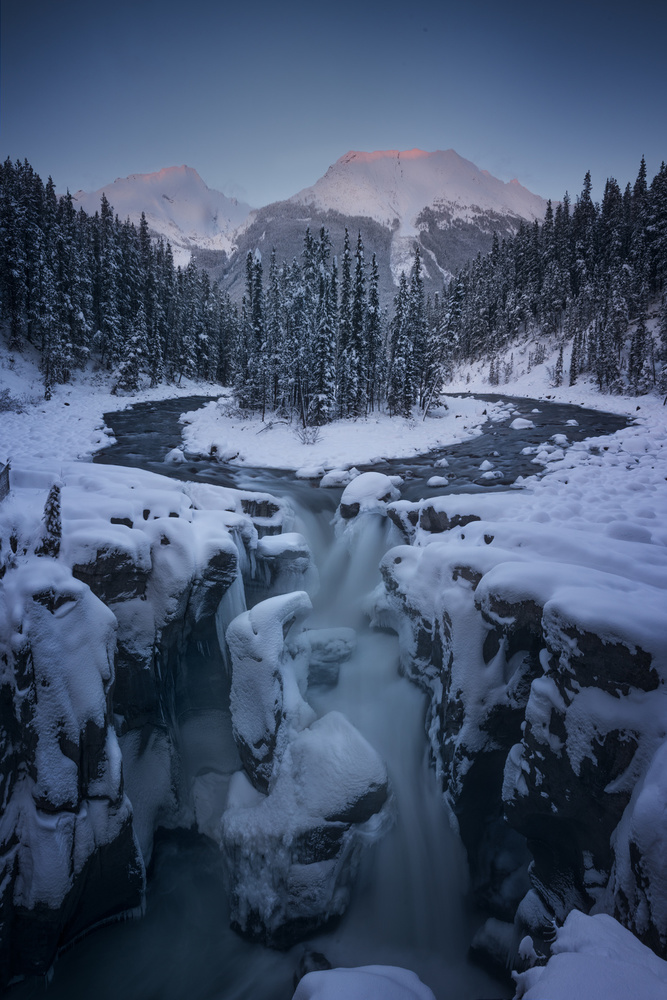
395,187
440,200
178,206
395,199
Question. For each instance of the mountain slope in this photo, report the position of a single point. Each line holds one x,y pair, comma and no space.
396,199
178,206
396,186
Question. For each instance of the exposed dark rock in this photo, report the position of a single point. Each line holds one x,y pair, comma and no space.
113,575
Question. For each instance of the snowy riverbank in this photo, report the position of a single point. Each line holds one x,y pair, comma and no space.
70,425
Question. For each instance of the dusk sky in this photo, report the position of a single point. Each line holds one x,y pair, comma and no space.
261,100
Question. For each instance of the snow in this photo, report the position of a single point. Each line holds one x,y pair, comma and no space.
521,424
338,477
178,206
57,643
587,536
71,424
216,430
290,853
595,958
267,706
371,491
370,982
390,185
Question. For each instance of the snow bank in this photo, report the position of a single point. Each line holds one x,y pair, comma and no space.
370,982
535,618
65,826
214,431
595,957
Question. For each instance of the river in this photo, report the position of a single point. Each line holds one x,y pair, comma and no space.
410,906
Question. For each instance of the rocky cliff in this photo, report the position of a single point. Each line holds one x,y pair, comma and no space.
544,655
108,649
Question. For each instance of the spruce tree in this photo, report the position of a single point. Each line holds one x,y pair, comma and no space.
375,356
400,390
344,329
52,525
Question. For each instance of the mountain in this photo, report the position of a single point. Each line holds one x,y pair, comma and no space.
439,199
395,187
178,206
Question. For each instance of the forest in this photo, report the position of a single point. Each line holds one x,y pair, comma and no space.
310,339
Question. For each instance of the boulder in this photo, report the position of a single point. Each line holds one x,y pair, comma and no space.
292,855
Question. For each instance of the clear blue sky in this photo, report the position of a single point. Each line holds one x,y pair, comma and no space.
261,100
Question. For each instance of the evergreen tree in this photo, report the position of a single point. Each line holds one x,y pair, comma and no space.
558,370
345,329
52,530
323,382
375,356
355,363
639,367
400,389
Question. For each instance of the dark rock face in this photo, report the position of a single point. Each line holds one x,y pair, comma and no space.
102,643
113,575
68,855
542,728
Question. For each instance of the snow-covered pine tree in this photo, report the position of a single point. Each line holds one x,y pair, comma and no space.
355,403
136,354
639,362
344,328
322,403
416,323
52,525
374,339
400,394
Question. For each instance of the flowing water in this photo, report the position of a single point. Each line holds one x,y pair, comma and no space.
410,906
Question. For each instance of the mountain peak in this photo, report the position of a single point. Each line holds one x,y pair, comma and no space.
395,186
178,205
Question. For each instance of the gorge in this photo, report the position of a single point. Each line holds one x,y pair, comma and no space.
538,661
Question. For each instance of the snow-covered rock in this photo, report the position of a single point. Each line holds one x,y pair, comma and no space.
545,655
338,477
284,563
595,957
312,790
369,492
367,982
97,639
68,856
292,855
266,700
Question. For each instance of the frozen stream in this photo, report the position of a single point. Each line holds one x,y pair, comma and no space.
410,904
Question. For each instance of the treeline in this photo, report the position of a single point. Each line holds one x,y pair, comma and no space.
587,274
315,341
80,287
311,341
310,338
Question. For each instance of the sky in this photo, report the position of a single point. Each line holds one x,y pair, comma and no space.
260,100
